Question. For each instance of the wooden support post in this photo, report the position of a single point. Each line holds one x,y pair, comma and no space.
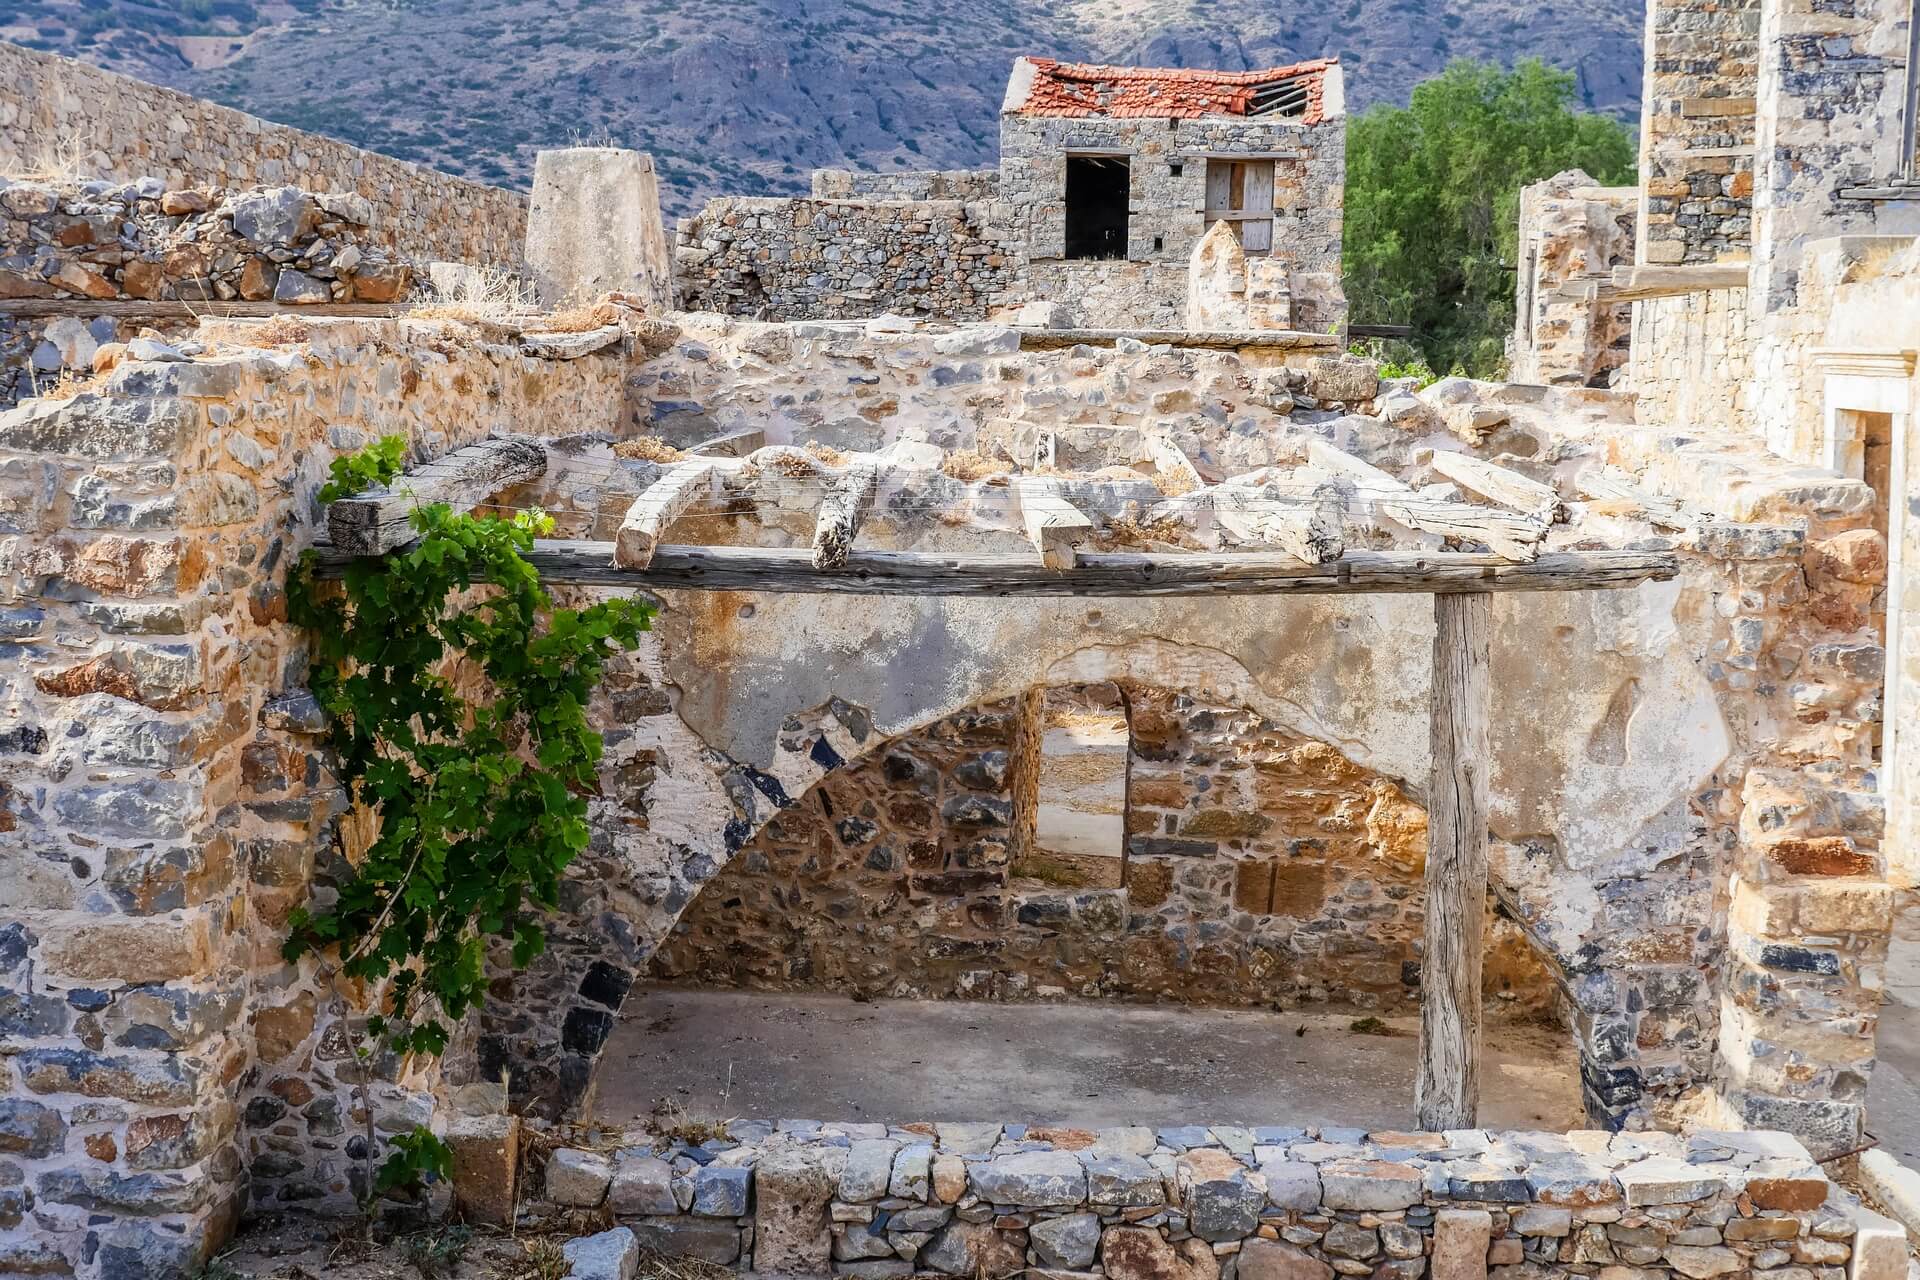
1053,524
658,506
376,521
844,507
1446,1093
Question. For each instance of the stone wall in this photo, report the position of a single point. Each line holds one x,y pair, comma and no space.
1693,361
805,258
1223,1203
125,130
1571,231
1243,865
920,184
1697,131
164,800
100,242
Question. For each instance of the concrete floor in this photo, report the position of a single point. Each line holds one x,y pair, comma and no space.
1893,1095
721,1054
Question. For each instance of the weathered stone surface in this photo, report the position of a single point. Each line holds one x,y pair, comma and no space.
274,215
578,1179
1703,1263
610,1255
949,1174
1221,1202
486,1152
792,1189
1273,1260
1291,1184
868,1170
1460,1240
705,1239
721,1191
973,1249
912,1173
1139,1253
643,1185
1543,1220
1369,1184
1664,1180
30,1129
1069,1241
1034,1178
1121,1180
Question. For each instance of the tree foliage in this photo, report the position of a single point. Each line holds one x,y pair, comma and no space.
1433,191
456,696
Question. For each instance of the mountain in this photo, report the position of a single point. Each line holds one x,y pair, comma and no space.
748,96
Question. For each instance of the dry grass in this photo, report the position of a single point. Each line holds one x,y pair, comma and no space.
654,1266
545,1261
672,1122
487,296
971,465
826,453
1174,483
648,449
282,331
1877,261
582,319
1135,533
63,159
65,386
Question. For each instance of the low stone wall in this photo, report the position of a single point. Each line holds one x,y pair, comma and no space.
92,242
125,130
798,259
1226,1203
915,184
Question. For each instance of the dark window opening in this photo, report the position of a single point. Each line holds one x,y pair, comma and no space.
1176,168
1097,194
1159,243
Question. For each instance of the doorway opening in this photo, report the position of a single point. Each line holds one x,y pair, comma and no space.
1098,191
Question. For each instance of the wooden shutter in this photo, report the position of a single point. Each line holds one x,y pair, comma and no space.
1256,234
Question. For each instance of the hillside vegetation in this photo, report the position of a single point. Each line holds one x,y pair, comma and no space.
748,96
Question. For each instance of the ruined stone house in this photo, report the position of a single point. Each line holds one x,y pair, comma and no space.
1000,661
1108,178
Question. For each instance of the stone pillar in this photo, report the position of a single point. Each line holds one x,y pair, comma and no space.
594,227
1571,230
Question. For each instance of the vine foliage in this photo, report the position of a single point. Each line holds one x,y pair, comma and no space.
456,696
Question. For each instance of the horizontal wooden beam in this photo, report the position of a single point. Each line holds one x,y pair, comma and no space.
789,570
1379,331
134,308
377,521
1221,339
1638,284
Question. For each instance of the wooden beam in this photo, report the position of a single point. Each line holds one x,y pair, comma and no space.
659,505
840,515
1499,484
1053,524
1306,526
789,570
733,444
1615,487
193,310
1638,284
377,521
1446,1092
1223,339
570,346
1513,536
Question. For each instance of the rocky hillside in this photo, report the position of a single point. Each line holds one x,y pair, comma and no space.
747,96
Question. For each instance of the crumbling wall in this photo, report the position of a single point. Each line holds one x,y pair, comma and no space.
801,258
96,242
915,184
1571,231
1167,176
164,799
58,113
1692,361
1241,865
1697,131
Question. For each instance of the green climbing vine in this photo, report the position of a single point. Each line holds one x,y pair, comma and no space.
456,696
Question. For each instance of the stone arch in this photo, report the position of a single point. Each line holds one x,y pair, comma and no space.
785,690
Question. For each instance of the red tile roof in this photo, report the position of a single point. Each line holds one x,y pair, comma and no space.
1082,89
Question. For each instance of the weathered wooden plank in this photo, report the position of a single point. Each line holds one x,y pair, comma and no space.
844,507
1306,526
570,346
1053,524
1640,283
1224,339
733,444
1500,484
193,310
1613,486
917,573
658,505
1446,1091
1512,535
379,520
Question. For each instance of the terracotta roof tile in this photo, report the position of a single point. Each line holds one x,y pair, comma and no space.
1083,89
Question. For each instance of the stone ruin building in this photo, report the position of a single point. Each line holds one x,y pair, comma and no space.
1109,177
1160,651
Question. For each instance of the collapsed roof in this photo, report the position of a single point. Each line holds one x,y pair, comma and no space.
1305,91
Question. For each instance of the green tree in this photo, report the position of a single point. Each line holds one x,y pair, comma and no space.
1433,195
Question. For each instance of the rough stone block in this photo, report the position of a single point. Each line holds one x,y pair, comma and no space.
1665,1180
1034,1179
610,1255
717,1242
1291,1184
643,1185
1069,1241
1543,1220
1879,1247
1460,1241
1120,1181
869,1168
486,1154
1704,1262
722,1191
912,1172
1369,1184
792,1189
578,1179
974,1249
1273,1260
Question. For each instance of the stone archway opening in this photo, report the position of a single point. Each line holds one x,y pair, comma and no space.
1110,889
